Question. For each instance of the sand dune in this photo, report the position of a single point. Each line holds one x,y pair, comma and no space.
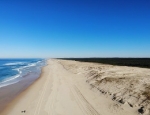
74,88
126,85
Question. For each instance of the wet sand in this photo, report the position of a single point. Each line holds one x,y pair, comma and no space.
8,93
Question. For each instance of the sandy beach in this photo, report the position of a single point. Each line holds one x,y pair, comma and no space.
9,92
67,88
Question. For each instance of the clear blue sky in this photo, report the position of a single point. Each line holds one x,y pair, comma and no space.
74,28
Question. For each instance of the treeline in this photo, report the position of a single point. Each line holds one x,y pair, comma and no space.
134,62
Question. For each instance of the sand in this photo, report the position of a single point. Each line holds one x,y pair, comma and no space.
8,93
67,88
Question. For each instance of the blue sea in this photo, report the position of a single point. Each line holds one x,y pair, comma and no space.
14,70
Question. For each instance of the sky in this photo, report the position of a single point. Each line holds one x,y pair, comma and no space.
74,28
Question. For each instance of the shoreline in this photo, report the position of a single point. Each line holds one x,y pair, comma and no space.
59,91
10,92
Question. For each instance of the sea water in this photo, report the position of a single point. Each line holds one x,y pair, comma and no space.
14,70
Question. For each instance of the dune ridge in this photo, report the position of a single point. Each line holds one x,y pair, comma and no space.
126,85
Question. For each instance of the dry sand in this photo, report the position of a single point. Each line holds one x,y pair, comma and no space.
75,88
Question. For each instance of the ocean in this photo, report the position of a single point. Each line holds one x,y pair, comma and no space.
14,70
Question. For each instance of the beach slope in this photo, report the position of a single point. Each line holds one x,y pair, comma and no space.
61,92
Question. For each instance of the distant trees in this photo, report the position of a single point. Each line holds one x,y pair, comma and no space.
134,62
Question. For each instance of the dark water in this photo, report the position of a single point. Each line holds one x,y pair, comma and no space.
13,70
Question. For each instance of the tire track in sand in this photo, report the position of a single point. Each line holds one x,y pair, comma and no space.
82,102
37,110
89,108
84,105
53,95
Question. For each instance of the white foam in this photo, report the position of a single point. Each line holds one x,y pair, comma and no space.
11,78
18,75
23,67
18,69
16,63
14,79
32,64
3,85
39,61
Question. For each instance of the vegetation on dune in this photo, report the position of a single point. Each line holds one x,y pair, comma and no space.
134,62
